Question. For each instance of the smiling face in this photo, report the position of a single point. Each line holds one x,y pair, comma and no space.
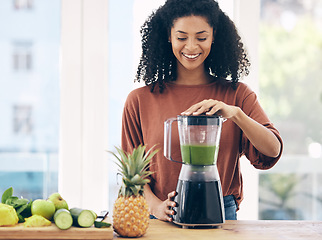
191,39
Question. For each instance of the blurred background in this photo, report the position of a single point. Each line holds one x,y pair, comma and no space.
285,46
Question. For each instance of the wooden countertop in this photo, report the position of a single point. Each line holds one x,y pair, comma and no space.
158,230
239,230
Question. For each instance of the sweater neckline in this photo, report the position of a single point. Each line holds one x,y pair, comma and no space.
172,84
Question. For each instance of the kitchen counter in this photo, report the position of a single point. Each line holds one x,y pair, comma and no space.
239,230
158,230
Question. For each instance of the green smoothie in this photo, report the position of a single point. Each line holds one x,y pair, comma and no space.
198,154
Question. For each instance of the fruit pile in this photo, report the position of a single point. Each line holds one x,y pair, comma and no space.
42,212
130,212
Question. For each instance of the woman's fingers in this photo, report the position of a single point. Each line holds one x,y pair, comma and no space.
216,108
170,204
204,106
169,212
194,108
164,210
171,195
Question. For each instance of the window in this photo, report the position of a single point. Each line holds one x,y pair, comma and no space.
22,56
22,119
29,97
290,70
23,4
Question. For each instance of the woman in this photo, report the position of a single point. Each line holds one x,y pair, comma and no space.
192,60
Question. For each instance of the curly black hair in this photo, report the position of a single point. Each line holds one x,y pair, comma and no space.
158,64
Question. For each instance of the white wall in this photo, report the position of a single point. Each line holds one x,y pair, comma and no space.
83,179
246,16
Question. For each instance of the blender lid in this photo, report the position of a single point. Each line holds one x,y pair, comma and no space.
201,119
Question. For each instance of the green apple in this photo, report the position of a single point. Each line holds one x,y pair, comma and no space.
58,201
43,208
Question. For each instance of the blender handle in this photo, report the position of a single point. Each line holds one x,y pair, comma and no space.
167,138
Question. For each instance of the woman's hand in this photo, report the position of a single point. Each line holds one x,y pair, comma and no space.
210,107
163,210
262,138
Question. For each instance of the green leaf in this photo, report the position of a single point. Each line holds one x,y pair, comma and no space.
21,218
20,202
27,211
11,200
6,194
21,208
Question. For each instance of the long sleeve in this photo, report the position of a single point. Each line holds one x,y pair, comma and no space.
253,109
131,128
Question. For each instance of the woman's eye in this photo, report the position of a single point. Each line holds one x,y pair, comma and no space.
202,39
181,39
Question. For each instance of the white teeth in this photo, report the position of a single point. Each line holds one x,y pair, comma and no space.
191,56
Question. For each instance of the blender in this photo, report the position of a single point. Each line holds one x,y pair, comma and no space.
199,195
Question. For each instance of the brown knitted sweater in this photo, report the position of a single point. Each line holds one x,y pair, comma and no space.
143,120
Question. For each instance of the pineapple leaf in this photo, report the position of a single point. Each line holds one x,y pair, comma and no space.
136,179
139,180
134,169
131,166
149,155
146,174
137,156
124,159
119,161
135,190
122,191
127,182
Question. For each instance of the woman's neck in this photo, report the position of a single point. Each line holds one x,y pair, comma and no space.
192,77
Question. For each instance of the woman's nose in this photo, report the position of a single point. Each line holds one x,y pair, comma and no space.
191,45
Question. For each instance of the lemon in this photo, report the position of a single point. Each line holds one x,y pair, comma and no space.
8,215
36,221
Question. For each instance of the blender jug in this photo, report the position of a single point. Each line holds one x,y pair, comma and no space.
199,199
199,138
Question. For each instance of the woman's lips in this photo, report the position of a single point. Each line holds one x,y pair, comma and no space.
191,56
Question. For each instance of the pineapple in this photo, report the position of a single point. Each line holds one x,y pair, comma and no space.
131,211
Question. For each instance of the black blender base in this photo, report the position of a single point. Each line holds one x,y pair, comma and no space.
199,203
199,226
